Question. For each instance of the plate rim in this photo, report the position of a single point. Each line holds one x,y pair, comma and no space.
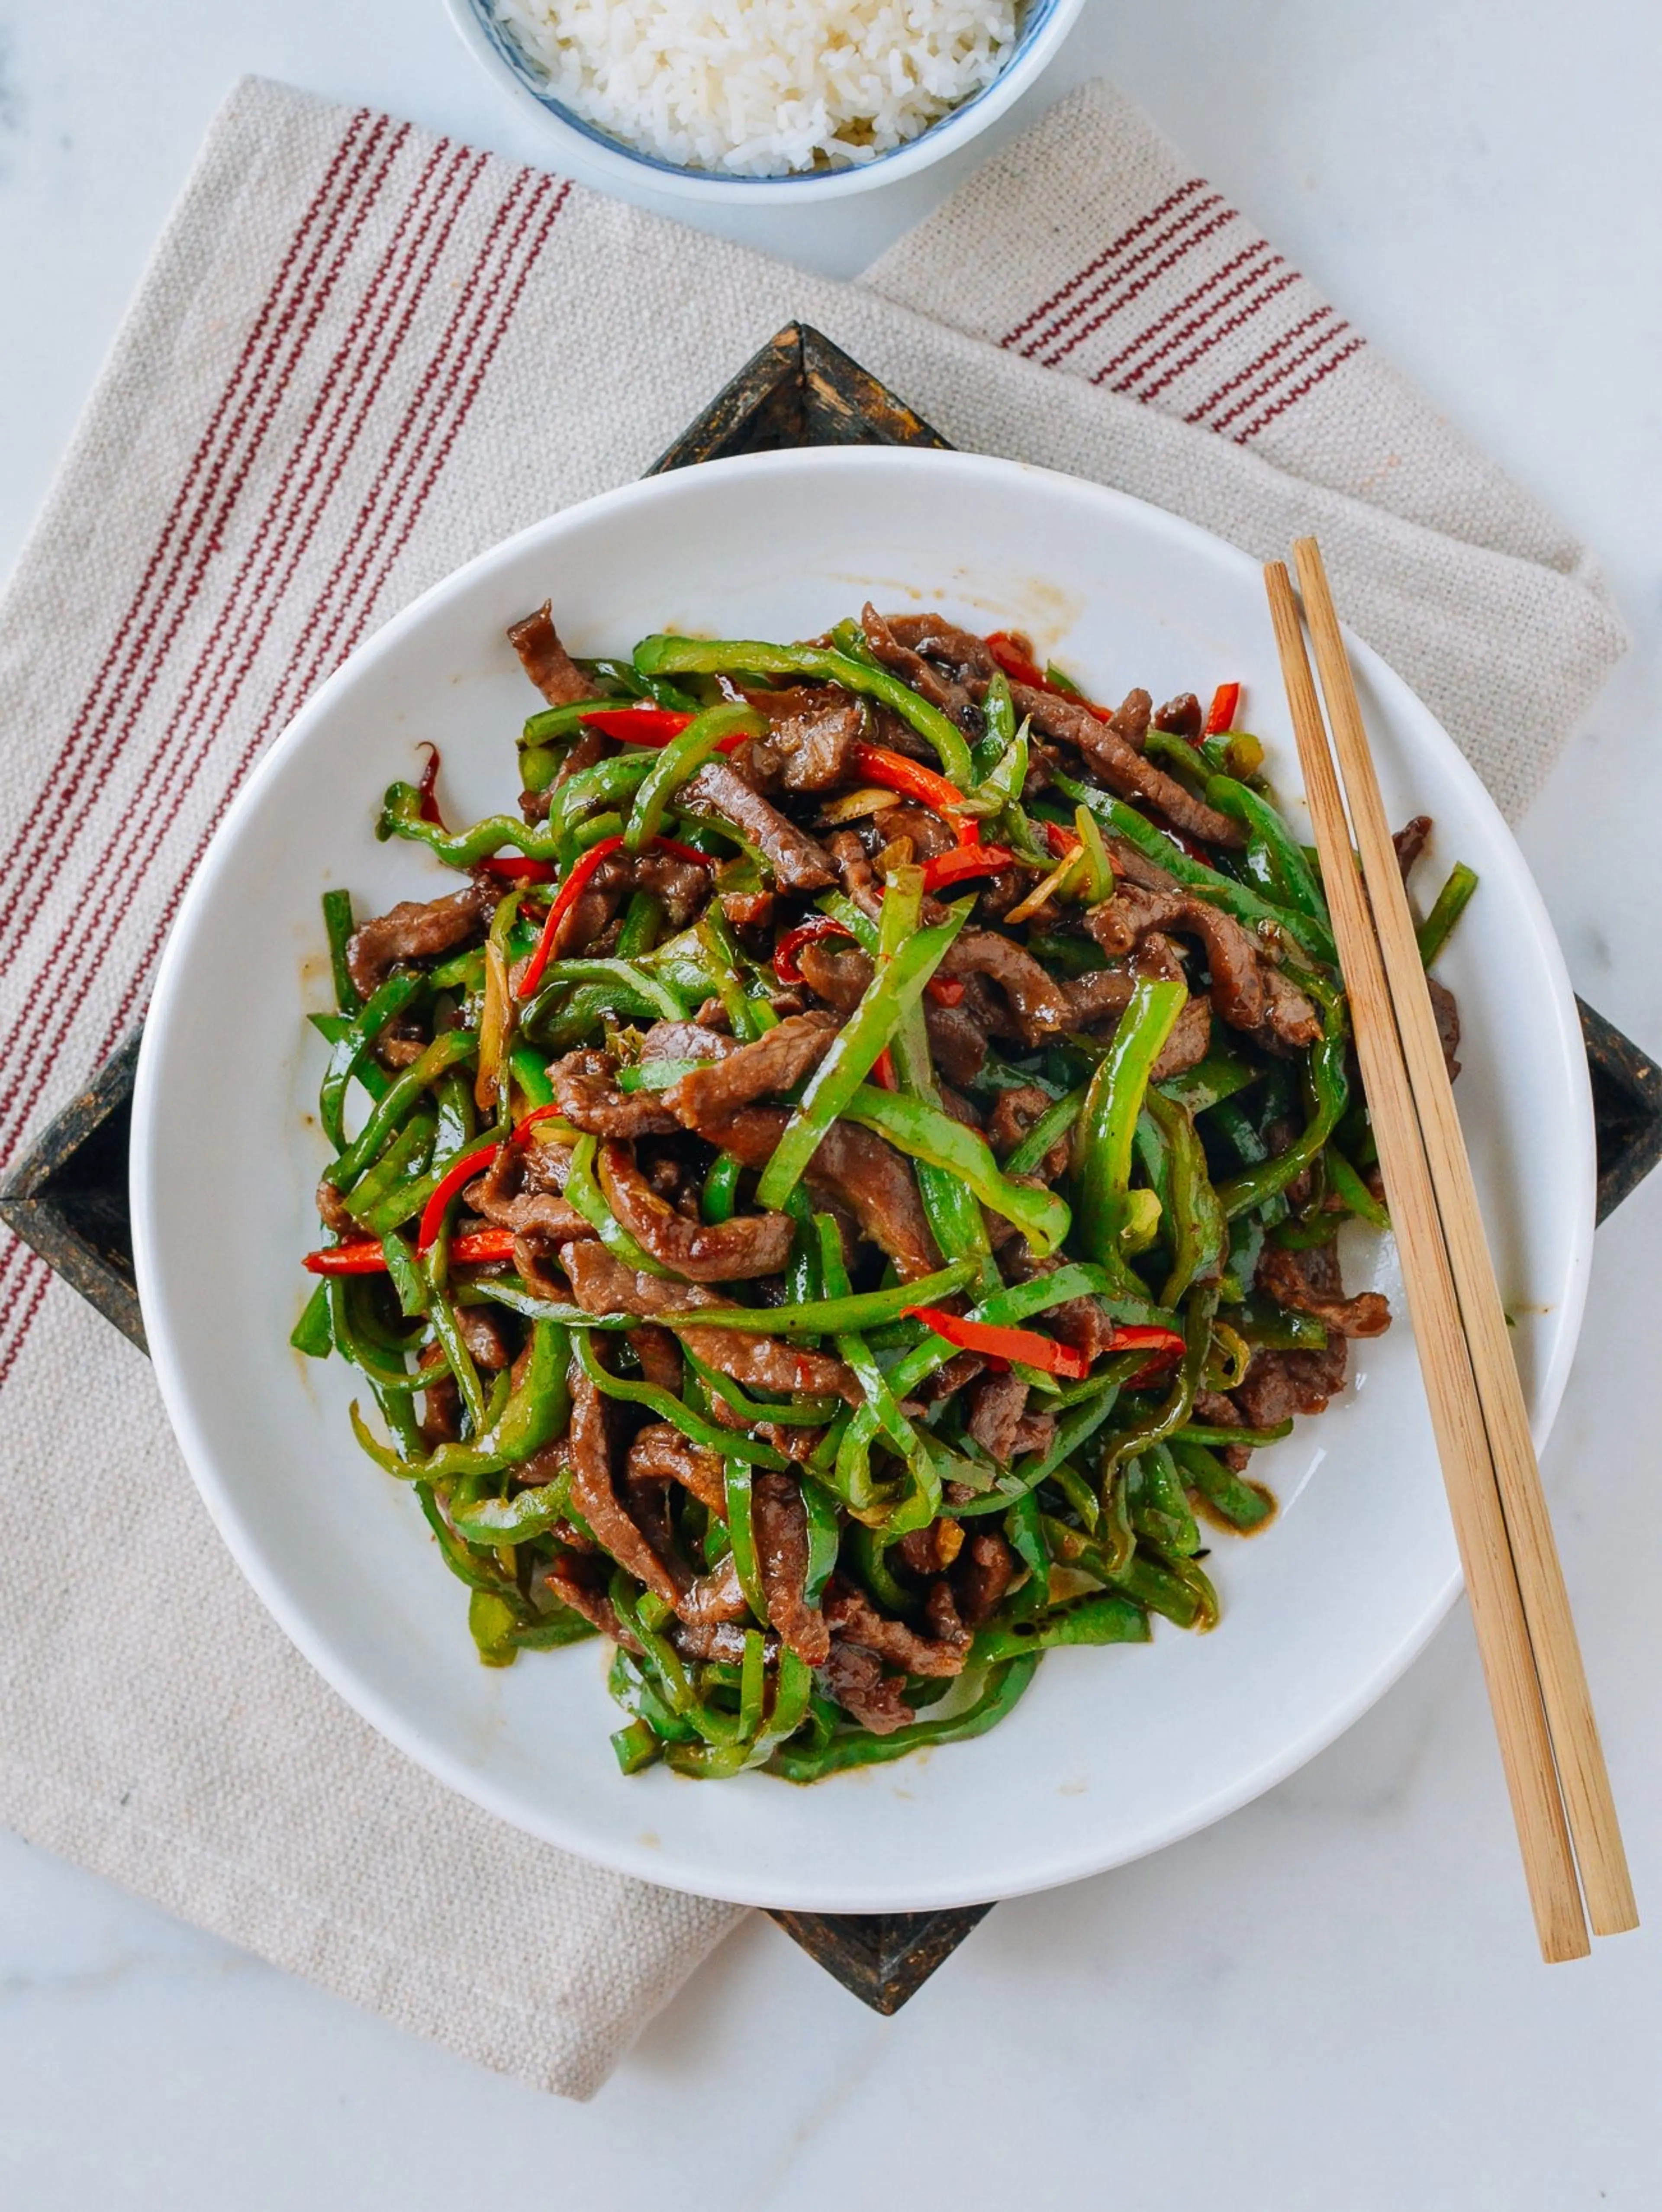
624,1854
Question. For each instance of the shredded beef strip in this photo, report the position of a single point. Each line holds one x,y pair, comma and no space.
581,1583
719,791
773,1063
719,1639
547,662
854,1679
659,1356
1181,716
1308,1282
585,1091
928,836
660,1453
1447,1012
957,1043
857,1167
594,1497
528,1213
968,656
931,1551
837,972
686,1040
1217,1412
749,1245
1282,1384
1039,1005
713,1597
942,691
997,1403
983,1574
602,1283
781,1528
852,1615
1110,748
416,930
1084,1323
808,747
1410,841
1247,990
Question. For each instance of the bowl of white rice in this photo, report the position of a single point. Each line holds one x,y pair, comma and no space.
761,100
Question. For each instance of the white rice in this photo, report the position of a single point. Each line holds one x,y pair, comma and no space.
761,88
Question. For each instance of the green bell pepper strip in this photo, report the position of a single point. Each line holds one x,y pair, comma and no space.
442,1315
629,974
1078,1493
1329,1091
608,783
532,1416
352,1042
458,1556
331,1027
635,1747
1056,1122
401,817
1107,1617
1210,1081
1024,1530
1201,1432
852,1464
1235,898
800,1414
1234,1123
1199,1235
530,1073
407,1278
720,1193
448,1050
558,1027
1159,1511
681,758
1299,887
1179,1590
405,1159
353,1342
897,986
585,1194
686,656
727,1444
950,1205
1346,1184
1170,1415
1245,1506
1450,904
643,920
867,1548
824,1539
1077,1426
1108,1124
708,1762
741,1527
1001,1687
926,1133
627,678
1271,1328
338,928
828,1317
312,1333
512,1520
551,723
854,920
1007,772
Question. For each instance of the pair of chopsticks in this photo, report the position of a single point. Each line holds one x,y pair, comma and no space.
1549,1748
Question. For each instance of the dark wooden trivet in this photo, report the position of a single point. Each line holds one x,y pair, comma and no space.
69,1197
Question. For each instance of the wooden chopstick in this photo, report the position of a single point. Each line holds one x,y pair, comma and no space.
1451,1388
1594,1829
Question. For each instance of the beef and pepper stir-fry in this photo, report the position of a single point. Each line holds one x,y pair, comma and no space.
847,1181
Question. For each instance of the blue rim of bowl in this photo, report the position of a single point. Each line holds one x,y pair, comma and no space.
1035,16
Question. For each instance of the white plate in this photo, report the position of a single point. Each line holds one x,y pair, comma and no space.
1112,1753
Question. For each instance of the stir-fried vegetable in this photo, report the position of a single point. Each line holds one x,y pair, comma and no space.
839,1223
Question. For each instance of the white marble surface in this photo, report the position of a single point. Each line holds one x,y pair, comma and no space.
1330,2001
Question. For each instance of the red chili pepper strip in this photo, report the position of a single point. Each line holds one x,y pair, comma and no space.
365,1256
964,861
686,851
1220,715
1020,670
429,777
895,772
650,726
1061,841
808,932
1026,1346
433,1213
519,868
945,990
1164,1343
882,1071
1014,663
564,900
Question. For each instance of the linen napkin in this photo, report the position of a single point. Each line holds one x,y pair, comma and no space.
361,355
